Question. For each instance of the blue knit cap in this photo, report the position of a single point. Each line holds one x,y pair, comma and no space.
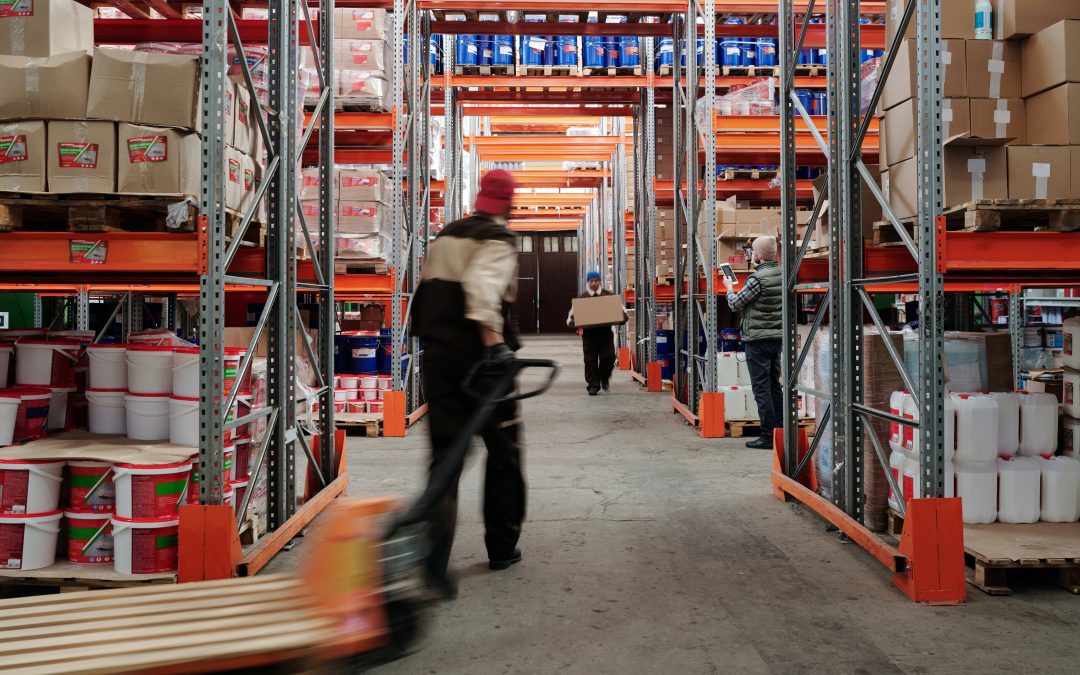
593,274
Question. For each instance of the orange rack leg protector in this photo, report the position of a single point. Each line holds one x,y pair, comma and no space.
209,546
654,376
711,415
394,422
624,358
933,541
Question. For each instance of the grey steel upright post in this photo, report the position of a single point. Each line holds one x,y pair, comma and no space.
931,283
212,282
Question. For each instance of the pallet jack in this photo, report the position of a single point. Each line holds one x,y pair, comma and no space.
357,601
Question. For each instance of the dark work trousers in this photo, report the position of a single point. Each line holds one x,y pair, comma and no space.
504,481
763,363
599,347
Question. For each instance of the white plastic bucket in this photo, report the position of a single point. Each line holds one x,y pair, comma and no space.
1070,393
150,490
106,411
45,363
28,541
184,420
108,367
185,371
348,382
1070,351
976,428
1038,424
1019,483
145,545
6,352
147,416
29,485
1060,489
89,537
976,486
60,404
9,411
150,369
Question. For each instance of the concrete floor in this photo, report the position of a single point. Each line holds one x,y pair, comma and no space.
648,549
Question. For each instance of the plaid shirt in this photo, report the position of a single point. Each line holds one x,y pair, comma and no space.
750,292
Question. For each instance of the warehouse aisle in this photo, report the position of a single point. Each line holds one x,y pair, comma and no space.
648,549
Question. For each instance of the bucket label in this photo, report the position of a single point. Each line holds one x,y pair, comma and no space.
11,545
91,489
156,496
77,155
90,545
148,149
13,148
153,550
14,487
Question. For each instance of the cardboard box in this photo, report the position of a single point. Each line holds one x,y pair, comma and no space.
48,88
45,27
157,160
1019,18
1040,172
82,157
362,185
993,69
957,19
999,119
234,178
601,310
143,88
361,24
23,153
901,83
370,55
970,172
1053,117
361,217
1052,57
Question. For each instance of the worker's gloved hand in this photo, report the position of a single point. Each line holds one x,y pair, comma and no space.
497,357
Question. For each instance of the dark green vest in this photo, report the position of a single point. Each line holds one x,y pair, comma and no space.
763,318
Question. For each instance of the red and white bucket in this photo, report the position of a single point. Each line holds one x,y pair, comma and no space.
30,485
6,353
147,416
108,367
61,403
150,490
89,537
145,545
105,411
28,540
185,372
10,402
46,363
150,369
90,487
184,420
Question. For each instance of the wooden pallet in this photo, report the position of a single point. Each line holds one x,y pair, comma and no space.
612,70
97,213
485,70
1000,552
1052,215
366,424
548,71
66,577
740,428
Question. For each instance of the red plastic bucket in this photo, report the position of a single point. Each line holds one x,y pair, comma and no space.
90,487
89,537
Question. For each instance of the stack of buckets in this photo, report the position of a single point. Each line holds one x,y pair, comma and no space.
45,374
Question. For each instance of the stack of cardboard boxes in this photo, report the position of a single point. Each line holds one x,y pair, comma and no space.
1006,121
362,59
79,119
363,218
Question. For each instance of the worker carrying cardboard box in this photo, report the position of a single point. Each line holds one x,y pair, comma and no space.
761,303
594,313
462,312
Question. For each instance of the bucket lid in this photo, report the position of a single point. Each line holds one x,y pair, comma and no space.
174,397
172,465
108,345
44,515
89,515
148,522
149,348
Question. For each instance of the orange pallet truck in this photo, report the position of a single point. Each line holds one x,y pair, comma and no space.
357,600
